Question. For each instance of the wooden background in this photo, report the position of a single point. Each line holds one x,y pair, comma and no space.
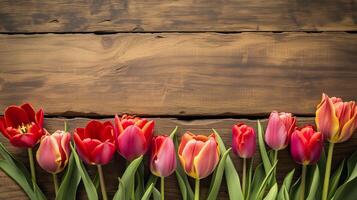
196,64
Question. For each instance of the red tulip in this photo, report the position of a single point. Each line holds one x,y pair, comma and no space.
243,141
133,136
22,126
199,155
163,156
306,145
53,152
95,142
280,126
337,120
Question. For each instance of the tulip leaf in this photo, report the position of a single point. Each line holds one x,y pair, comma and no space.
88,184
314,184
273,192
182,186
96,181
217,179
351,163
295,190
152,179
156,194
335,179
139,175
70,182
250,176
286,185
230,172
261,190
263,152
127,178
148,192
173,133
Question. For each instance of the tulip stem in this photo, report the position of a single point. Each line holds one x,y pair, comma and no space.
244,175
303,180
102,183
162,188
32,167
327,171
275,161
55,183
197,189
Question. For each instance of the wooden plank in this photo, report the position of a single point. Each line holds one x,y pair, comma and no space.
186,15
177,74
9,190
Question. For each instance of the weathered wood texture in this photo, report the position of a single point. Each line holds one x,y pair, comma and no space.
186,15
177,74
10,190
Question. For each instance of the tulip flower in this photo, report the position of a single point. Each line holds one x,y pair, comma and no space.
53,153
280,126
95,145
199,156
243,145
24,128
163,158
336,120
133,136
306,146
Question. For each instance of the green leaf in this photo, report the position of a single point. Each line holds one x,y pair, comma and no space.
127,178
70,182
217,179
351,163
314,184
262,149
335,179
250,176
286,185
88,184
96,181
139,175
265,181
182,186
156,194
173,133
230,172
258,178
347,191
273,192
148,192
120,195
152,179
295,190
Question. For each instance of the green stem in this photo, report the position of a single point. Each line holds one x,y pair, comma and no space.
32,167
197,189
162,188
275,160
327,171
102,182
303,180
244,175
55,183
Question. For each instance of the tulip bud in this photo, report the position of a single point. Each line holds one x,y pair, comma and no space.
306,145
22,126
163,156
335,119
280,126
133,136
95,142
243,140
199,155
53,152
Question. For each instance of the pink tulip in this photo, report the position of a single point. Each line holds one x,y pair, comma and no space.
280,127
306,145
163,156
335,119
53,152
133,136
243,141
199,155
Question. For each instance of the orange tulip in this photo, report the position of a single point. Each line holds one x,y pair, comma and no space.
335,119
199,155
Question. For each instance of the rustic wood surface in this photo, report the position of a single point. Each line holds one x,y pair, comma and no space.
10,190
203,74
182,16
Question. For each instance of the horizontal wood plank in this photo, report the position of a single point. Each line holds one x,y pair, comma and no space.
9,190
186,15
177,74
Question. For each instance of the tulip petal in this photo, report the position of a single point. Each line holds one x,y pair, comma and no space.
81,149
132,143
25,140
184,139
297,147
276,135
148,129
326,120
107,133
247,147
207,159
349,128
48,155
3,128
39,118
29,111
93,129
190,151
103,153
15,116
315,147
165,162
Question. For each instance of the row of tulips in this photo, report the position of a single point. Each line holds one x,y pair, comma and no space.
199,156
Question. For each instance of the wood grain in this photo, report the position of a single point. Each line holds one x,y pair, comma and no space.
183,16
10,190
177,74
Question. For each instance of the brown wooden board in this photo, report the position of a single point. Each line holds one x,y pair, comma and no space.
177,74
183,16
9,189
